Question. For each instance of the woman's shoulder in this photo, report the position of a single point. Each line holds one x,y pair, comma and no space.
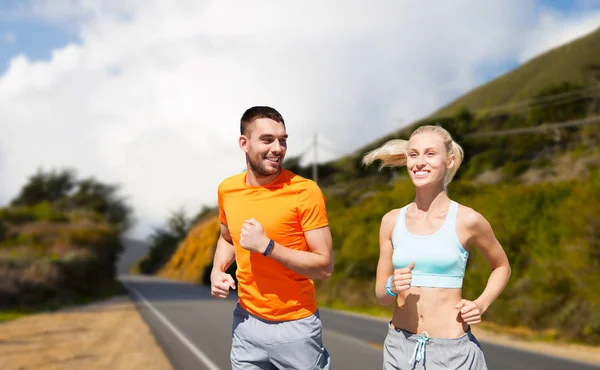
468,217
391,217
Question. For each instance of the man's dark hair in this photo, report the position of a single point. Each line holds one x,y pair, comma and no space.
259,112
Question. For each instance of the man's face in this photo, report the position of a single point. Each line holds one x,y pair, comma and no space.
265,145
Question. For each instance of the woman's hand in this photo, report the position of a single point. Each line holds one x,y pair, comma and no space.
470,312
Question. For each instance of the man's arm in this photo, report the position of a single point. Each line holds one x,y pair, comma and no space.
315,263
224,257
225,252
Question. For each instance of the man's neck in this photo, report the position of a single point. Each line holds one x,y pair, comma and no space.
254,179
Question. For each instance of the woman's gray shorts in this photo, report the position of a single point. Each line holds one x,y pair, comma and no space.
404,350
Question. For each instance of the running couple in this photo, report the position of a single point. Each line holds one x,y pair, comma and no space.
274,225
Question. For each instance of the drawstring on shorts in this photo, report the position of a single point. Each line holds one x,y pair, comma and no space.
419,351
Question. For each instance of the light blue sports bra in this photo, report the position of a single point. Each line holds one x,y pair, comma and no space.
440,259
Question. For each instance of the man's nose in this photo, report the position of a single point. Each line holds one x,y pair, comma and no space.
276,146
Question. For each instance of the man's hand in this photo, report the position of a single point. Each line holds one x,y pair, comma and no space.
253,237
470,312
402,278
220,282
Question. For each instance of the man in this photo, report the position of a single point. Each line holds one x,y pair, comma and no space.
274,225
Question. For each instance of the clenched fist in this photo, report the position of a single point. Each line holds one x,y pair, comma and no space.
253,237
220,282
402,278
470,312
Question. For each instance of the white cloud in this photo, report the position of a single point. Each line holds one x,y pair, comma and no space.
555,29
151,95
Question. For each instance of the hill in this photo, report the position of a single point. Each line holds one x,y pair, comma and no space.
60,239
576,62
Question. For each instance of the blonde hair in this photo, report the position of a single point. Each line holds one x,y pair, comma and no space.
394,152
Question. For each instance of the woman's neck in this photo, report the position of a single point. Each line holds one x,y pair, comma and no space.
431,199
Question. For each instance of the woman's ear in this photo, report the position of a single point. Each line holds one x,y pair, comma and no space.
450,162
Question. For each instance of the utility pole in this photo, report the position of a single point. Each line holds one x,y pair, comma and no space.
314,166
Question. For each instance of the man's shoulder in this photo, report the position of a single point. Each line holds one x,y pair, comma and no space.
232,182
300,181
304,188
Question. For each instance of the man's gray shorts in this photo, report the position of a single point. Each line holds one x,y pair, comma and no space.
461,353
263,344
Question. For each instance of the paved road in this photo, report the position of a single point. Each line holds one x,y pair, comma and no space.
195,332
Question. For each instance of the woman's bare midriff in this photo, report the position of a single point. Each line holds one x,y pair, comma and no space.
429,309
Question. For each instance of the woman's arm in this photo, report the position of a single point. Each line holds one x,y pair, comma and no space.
384,265
481,236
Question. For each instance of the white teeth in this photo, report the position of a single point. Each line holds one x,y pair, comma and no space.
421,173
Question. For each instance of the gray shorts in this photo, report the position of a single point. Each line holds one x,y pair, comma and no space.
263,344
404,350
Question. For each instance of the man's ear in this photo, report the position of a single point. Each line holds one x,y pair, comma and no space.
243,141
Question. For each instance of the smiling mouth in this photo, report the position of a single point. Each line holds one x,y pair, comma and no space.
274,160
421,174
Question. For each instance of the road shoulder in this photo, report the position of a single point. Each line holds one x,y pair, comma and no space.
108,334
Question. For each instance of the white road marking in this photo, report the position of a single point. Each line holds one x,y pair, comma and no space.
199,354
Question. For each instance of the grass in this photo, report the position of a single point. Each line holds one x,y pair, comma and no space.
11,314
376,311
547,335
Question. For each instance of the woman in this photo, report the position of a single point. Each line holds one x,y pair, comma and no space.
423,253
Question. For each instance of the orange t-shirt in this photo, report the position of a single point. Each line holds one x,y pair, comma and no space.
286,208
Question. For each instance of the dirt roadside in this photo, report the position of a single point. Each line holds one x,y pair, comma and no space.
577,352
109,334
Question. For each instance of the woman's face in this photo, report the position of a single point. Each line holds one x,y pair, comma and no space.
427,160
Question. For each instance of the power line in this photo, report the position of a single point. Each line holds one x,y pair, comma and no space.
305,151
315,145
331,149
553,99
543,127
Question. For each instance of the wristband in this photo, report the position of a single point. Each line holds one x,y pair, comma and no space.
269,248
388,287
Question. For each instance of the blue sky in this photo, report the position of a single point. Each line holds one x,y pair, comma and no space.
165,126
33,38
37,38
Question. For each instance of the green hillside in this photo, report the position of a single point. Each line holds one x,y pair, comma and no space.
60,238
577,62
